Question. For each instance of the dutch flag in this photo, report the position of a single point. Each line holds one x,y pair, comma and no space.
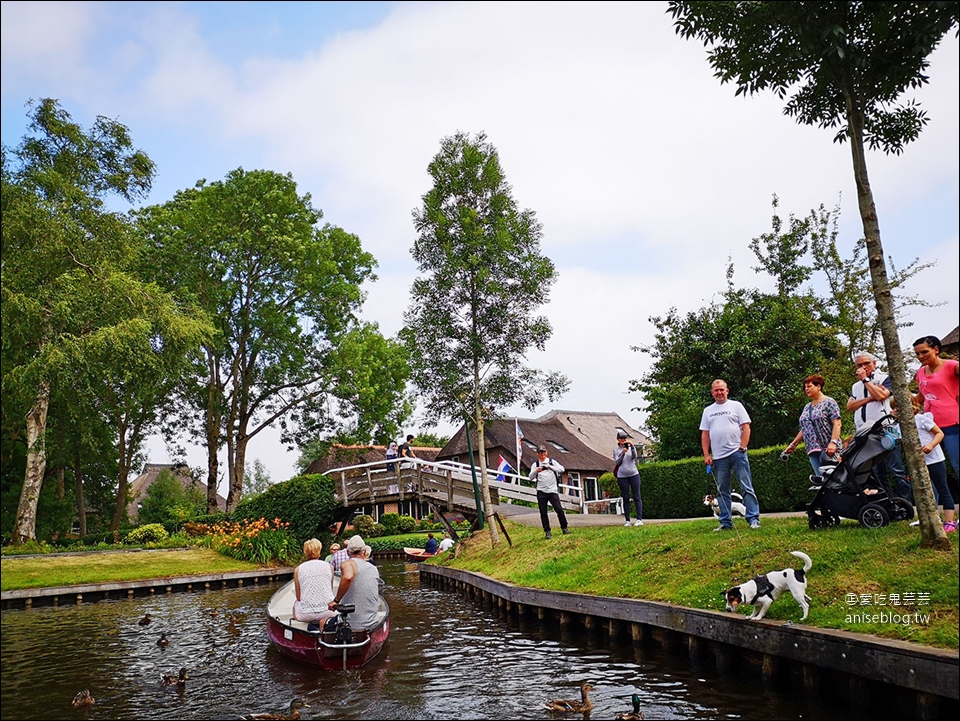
504,467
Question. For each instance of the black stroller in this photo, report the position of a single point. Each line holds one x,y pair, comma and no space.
849,488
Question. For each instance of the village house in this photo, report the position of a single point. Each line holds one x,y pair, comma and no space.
581,441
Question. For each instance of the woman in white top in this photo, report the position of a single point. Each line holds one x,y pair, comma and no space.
313,580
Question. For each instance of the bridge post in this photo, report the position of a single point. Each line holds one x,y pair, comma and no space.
449,490
343,487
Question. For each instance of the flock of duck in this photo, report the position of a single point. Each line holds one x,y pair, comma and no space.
583,705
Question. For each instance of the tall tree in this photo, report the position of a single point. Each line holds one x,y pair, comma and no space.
472,313
284,295
844,66
73,306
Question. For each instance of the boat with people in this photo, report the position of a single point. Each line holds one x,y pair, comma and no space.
417,554
332,646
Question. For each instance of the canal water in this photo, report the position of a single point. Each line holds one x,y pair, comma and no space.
447,658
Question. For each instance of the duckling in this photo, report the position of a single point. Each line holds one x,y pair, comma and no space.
169,679
570,705
83,699
294,714
635,715
163,641
145,621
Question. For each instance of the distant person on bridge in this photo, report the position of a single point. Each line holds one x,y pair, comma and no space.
391,454
546,472
406,451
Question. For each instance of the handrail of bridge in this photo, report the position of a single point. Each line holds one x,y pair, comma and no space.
510,487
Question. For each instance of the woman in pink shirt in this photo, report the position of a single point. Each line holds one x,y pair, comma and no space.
939,382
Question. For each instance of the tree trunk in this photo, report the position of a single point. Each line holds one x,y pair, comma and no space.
239,453
81,502
213,435
25,526
123,475
485,481
931,527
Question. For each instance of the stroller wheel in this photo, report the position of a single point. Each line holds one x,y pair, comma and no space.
900,510
873,515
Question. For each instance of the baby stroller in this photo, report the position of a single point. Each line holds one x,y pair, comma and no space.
849,487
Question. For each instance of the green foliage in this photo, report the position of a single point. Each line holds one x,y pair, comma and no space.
762,345
149,533
306,503
398,543
377,530
430,440
405,524
363,525
608,483
390,523
472,314
256,479
285,293
166,500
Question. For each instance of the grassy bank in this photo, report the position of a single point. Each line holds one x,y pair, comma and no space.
67,570
855,570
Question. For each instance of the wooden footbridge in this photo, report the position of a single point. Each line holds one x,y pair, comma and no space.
445,486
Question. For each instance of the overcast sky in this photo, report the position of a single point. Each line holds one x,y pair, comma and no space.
647,175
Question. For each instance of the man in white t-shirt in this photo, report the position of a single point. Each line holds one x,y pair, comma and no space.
446,544
724,435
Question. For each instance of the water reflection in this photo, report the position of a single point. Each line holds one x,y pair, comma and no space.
447,658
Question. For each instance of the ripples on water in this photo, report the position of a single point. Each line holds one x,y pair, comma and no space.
447,658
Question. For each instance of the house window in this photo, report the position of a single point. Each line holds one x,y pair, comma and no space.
530,445
573,479
367,510
75,528
413,509
591,488
558,446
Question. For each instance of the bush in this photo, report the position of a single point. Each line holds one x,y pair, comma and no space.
391,524
150,533
376,531
407,524
306,503
258,541
608,483
363,524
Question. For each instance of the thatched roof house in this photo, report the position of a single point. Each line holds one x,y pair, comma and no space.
137,489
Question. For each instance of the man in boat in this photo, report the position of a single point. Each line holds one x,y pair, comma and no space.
359,586
431,545
447,543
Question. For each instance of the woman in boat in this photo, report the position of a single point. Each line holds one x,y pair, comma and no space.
313,581
431,545
359,587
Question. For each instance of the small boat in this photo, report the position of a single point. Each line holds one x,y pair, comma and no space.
417,554
330,649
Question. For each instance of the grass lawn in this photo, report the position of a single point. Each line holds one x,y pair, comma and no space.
67,570
855,570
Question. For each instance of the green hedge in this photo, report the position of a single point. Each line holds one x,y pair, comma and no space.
675,489
307,503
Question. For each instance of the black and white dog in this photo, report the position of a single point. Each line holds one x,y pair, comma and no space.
736,505
762,591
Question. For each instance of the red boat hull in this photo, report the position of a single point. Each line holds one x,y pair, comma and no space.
316,648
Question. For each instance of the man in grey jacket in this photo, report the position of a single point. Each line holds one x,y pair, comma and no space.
546,472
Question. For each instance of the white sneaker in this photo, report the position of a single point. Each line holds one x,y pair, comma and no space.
628,524
638,522
916,523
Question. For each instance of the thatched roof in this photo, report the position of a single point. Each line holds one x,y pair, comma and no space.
597,429
568,449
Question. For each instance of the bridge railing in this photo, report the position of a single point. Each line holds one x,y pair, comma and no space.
365,482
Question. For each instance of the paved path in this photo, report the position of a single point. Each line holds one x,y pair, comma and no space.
531,517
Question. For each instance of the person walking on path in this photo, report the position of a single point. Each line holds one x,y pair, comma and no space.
724,435
546,472
628,477
819,424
